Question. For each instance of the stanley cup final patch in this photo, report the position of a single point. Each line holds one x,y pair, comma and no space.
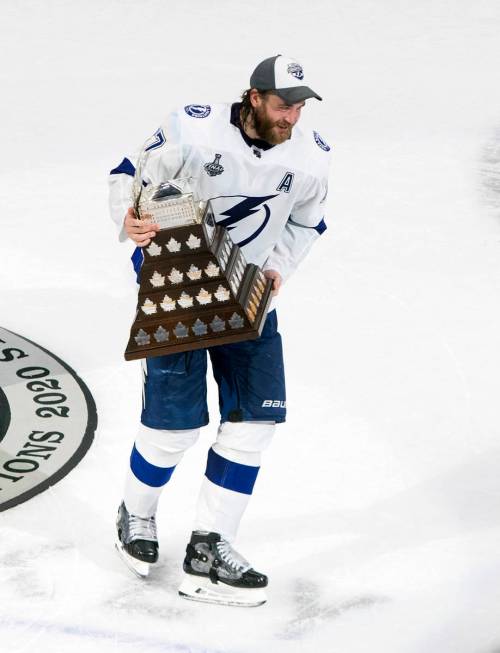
47,419
213,168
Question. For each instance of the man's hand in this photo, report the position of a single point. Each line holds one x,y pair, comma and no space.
276,277
138,231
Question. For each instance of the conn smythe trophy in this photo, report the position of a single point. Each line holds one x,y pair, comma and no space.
196,289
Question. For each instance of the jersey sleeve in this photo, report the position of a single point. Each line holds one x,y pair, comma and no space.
164,161
305,224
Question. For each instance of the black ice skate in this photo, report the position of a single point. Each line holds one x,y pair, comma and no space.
216,573
136,541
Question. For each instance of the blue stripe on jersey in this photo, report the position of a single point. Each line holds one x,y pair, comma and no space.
229,475
126,167
147,473
321,227
137,259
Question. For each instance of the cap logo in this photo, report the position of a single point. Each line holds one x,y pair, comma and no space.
296,70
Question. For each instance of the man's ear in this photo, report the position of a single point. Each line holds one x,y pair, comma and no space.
255,98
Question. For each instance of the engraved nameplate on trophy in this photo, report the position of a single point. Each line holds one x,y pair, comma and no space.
166,206
196,289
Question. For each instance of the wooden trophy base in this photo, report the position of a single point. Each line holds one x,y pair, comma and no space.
196,291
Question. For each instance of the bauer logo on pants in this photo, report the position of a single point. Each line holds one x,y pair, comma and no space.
47,419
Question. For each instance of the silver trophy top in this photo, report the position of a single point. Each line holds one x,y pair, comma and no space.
169,204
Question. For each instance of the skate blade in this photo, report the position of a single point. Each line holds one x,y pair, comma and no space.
197,588
138,567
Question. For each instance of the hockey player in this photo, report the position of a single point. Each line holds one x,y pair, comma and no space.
267,181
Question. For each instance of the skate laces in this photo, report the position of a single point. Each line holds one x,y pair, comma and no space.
232,557
142,528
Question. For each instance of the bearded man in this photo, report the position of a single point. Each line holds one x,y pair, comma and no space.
267,182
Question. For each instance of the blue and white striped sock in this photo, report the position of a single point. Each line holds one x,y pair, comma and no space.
154,457
233,464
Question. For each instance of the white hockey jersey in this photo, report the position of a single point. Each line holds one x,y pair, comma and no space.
270,198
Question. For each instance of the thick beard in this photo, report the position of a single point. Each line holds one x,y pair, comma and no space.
266,129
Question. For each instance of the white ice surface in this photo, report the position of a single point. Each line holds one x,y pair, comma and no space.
377,510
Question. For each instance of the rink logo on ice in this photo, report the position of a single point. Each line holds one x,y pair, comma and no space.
198,110
47,419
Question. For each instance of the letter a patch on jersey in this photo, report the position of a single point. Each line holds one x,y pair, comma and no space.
286,183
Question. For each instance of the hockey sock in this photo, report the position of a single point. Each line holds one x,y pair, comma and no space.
153,459
233,464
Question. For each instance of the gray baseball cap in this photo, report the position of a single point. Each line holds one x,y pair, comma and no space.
283,75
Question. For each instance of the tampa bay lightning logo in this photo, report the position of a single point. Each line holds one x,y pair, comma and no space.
244,217
321,142
198,110
296,70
